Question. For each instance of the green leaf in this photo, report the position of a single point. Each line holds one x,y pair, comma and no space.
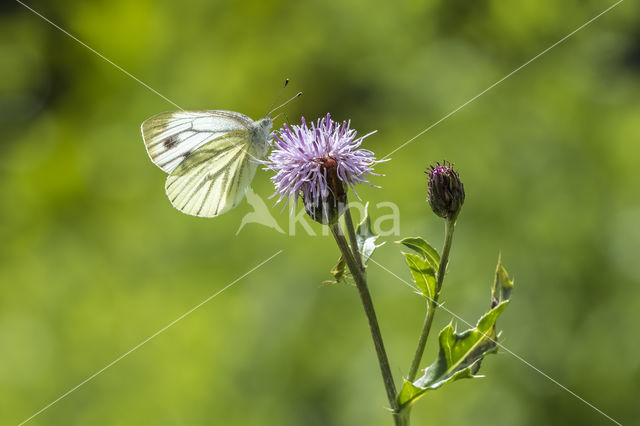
339,272
502,285
365,238
460,354
424,249
424,276
459,357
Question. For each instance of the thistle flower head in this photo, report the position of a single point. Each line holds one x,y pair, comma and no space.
318,162
445,190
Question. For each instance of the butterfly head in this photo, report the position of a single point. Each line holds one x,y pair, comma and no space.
264,125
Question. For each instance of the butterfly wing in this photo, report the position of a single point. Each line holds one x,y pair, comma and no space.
170,137
214,178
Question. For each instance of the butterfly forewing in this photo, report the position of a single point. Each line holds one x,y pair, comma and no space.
170,137
214,178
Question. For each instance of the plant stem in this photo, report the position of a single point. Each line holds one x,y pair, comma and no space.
433,303
352,237
361,283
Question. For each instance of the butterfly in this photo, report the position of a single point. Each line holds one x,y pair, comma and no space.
210,156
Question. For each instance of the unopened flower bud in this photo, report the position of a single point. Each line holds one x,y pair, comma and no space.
446,192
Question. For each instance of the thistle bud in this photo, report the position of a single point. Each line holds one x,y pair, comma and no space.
446,192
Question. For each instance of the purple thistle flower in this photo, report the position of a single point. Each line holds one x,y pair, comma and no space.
319,162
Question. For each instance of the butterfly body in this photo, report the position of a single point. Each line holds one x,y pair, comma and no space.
261,130
210,156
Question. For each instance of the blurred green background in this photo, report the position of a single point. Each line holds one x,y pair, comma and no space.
94,259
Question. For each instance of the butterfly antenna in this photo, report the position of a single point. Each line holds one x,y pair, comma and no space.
281,105
286,82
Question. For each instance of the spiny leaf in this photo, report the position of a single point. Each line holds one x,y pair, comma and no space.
502,285
459,357
423,274
409,393
365,238
424,249
460,354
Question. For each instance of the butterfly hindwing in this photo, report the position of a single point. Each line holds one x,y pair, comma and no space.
170,137
214,178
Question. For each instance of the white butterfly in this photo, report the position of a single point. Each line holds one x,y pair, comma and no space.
210,156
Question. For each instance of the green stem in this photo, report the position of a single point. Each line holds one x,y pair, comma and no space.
361,284
433,303
352,237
